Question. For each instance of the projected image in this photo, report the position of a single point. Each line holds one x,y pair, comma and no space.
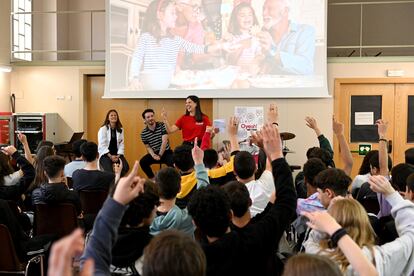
181,45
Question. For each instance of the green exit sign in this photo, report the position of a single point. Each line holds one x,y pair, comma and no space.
364,148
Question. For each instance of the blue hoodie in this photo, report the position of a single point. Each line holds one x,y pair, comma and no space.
175,218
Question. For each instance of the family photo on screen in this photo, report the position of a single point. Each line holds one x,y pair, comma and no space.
219,44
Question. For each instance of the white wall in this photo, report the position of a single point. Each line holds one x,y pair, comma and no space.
4,54
38,87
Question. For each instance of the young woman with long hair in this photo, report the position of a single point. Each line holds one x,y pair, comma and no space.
192,124
111,144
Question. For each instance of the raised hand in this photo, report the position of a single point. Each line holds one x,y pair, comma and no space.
257,138
272,143
382,128
62,253
197,153
22,138
322,222
380,184
337,127
273,114
233,126
129,187
9,150
313,124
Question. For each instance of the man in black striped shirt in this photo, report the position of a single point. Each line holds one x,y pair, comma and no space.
155,139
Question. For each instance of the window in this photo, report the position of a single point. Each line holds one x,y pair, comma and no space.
22,29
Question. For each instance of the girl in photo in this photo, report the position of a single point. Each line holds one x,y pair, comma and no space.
155,56
243,27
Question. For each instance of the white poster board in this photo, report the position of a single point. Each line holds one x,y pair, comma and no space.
251,119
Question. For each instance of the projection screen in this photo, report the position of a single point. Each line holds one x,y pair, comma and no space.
216,48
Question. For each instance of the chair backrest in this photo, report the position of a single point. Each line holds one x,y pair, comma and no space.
8,260
59,219
92,201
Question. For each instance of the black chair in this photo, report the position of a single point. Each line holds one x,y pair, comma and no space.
92,201
59,219
9,262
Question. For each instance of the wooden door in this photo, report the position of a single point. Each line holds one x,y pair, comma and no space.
130,111
376,96
404,120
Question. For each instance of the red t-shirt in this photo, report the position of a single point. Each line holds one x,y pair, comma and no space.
192,129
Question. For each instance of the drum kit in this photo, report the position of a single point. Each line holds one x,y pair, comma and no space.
285,136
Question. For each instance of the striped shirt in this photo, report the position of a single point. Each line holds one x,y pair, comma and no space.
154,138
150,55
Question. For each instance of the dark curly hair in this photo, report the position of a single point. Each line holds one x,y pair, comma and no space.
335,179
210,209
142,206
239,197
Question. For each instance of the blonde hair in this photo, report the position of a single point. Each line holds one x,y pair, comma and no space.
350,214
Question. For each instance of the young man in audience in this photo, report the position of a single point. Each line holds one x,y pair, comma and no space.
409,156
331,183
90,177
161,256
169,215
55,190
409,191
78,163
134,232
312,203
210,159
261,189
246,252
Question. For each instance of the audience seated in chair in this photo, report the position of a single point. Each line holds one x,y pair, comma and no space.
55,190
78,163
90,177
246,252
169,215
134,232
16,191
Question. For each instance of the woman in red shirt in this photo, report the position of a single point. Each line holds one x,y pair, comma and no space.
193,123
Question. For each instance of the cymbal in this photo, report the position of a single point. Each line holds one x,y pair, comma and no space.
287,136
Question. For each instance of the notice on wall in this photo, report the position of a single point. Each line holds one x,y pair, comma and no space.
364,118
251,119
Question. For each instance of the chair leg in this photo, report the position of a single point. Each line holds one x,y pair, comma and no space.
36,260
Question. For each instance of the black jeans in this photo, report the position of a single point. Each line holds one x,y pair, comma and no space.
147,161
106,164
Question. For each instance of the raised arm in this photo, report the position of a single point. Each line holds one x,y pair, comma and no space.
323,141
401,249
232,128
169,128
383,149
107,222
324,222
14,192
345,153
27,153
201,172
